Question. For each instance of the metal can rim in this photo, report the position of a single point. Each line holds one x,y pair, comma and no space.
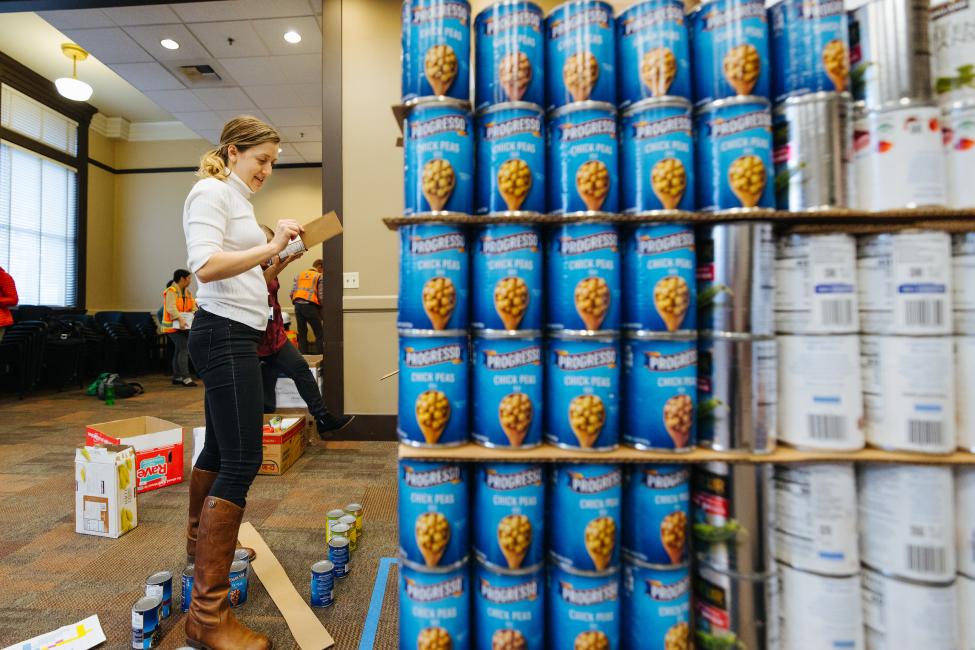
510,106
891,575
508,3
584,217
159,577
145,603
664,101
529,217
641,3
353,507
238,565
819,97
436,100
422,568
554,562
961,104
338,541
431,334
900,104
561,6
339,524
523,571
637,562
651,335
600,336
433,214
190,570
818,574
733,336
489,334
331,513
576,107
324,566
730,101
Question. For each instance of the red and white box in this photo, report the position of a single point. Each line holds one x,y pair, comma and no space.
158,448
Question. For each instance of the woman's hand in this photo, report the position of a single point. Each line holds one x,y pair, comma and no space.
286,230
182,323
277,265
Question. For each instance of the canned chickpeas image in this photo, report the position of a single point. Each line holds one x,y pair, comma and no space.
652,49
656,514
436,48
510,160
809,47
583,609
433,511
583,278
506,278
659,268
657,163
731,51
510,54
582,392
580,53
583,165
433,285
439,161
507,390
584,514
433,383
656,607
509,529
435,608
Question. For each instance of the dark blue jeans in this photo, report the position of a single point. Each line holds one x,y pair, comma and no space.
224,353
289,361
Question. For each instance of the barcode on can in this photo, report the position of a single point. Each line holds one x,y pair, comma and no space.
827,427
923,312
837,312
924,432
926,559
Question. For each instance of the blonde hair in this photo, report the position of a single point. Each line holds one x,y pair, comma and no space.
244,132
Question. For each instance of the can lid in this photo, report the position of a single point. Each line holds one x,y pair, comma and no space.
959,105
731,101
238,566
159,577
555,562
587,3
507,334
665,101
510,106
242,554
146,603
424,334
676,568
900,104
705,335
601,336
813,98
523,571
353,507
189,570
335,514
338,541
431,101
649,335
575,107
348,520
322,566
423,568
339,527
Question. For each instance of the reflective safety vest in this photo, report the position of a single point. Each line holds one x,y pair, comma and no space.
306,286
184,303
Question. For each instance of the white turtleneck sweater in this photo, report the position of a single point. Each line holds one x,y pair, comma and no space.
218,216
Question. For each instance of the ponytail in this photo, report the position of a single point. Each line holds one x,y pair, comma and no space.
214,164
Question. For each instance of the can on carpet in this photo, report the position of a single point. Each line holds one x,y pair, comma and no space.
161,584
238,583
146,626
339,556
322,588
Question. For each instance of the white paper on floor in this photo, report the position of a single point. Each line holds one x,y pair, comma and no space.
78,636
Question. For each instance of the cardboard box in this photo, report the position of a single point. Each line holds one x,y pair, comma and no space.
104,479
282,448
158,446
286,392
321,229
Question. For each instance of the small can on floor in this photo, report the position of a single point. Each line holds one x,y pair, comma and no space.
186,588
338,554
322,584
238,583
146,630
161,584
353,535
332,517
356,510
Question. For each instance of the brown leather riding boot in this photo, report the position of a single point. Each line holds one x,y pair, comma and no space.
200,483
210,625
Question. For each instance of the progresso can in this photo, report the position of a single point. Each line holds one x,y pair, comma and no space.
652,52
656,513
819,611
583,165
735,611
733,154
161,584
509,608
433,409
506,277
809,47
584,516
660,389
510,160
433,514
657,159
963,282
958,139
439,170
506,400
659,270
433,278
907,614
656,607
146,626
322,587
509,529
731,51
238,583
436,49
582,392
580,53
510,50
965,519
435,608
583,609
816,284
584,278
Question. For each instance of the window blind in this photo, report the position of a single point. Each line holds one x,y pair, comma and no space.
26,116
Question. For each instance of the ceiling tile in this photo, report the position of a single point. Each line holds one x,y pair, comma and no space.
76,18
309,94
148,36
259,9
294,116
147,76
197,12
214,37
201,120
254,71
301,68
297,134
210,135
177,101
226,116
273,96
144,15
109,45
224,98
310,151
288,154
316,6
272,32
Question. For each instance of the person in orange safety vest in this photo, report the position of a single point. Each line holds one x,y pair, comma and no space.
306,295
177,302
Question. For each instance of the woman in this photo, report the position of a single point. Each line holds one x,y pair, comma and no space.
226,247
177,300
8,299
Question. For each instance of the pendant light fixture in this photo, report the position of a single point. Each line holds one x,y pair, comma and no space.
72,87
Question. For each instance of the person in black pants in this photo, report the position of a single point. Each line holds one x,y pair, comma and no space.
306,295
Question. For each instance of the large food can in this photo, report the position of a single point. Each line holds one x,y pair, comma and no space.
958,139
439,167
146,627
509,529
434,608
582,392
816,518
322,586
580,53
656,513
583,608
660,393
436,49
433,514
584,508
507,391
510,160
583,165
656,607
820,392
904,283
952,50
659,269
736,278
818,612
965,519
509,608
733,510
652,51
433,279
735,611
161,584
238,583
433,381
731,50
813,140
907,521
899,614
963,282
808,47
816,284
737,393
340,555
506,278
965,386
583,279
657,156
510,52
909,393
186,588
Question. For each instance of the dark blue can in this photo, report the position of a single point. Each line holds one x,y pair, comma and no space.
510,160
584,516
509,529
438,139
186,588
433,379
507,391
161,584
656,607
657,166
238,583
435,608
583,278
659,269
583,609
436,42
809,46
582,392
656,512
580,53
146,629
731,52
433,277
506,279
433,510
339,555
653,54
660,393
509,608
510,51
322,584
583,164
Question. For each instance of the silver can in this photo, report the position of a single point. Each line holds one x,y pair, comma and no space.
735,611
736,277
966,605
952,48
818,611
965,519
900,614
963,280
812,136
816,284
958,140
964,387
736,380
862,153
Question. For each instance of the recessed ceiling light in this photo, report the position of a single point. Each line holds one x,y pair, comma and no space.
169,44
280,150
292,36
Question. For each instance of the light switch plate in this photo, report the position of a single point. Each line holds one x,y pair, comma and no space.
350,280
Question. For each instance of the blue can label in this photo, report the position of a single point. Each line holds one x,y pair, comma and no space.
733,154
186,591
433,277
652,51
509,530
509,609
433,513
146,631
238,587
510,54
439,173
656,511
584,516
659,262
507,278
583,289
322,588
582,393
434,609
809,47
731,56
339,556
511,160
658,163
656,608
583,611
507,399
582,161
580,53
433,390
436,45
660,384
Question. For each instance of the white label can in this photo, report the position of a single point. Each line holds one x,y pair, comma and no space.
965,387
966,605
963,279
958,139
909,392
816,285
907,521
820,393
816,518
904,282
862,156
819,612
965,520
952,38
902,615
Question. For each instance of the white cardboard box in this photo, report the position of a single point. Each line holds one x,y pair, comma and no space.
105,500
286,393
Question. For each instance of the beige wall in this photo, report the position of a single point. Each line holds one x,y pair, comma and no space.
100,266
